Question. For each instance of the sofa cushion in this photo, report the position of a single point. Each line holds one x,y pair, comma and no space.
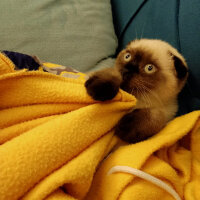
73,33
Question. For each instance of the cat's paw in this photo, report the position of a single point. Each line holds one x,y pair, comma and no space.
101,89
125,128
139,125
135,126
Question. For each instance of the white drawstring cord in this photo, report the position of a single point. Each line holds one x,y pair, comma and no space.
146,177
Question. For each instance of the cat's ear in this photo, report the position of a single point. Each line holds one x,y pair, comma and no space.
180,66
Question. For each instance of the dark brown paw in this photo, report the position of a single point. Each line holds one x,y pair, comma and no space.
125,129
132,127
100,89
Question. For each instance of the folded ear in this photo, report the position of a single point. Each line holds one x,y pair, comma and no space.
180,66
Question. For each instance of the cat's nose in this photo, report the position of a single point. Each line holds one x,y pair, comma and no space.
131,68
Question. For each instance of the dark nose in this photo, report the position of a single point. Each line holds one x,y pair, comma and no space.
131,68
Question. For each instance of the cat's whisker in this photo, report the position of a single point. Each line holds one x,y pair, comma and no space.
145,82
155,95
143,29
139,90
146,97
136,34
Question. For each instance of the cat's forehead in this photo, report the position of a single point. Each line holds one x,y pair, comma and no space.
151,44
141,54
152,49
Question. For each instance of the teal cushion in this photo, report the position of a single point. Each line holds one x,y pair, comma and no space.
176,22
73,33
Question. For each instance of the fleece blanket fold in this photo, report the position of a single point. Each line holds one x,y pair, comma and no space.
52,134
57,143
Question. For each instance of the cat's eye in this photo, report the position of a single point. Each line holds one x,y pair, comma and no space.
127,57
149,68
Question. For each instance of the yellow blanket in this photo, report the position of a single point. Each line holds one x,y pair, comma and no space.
54,142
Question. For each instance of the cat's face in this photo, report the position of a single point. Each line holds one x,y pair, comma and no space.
152,67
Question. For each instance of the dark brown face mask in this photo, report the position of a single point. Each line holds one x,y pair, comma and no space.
142,68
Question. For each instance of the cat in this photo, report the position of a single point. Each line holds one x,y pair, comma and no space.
154,72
